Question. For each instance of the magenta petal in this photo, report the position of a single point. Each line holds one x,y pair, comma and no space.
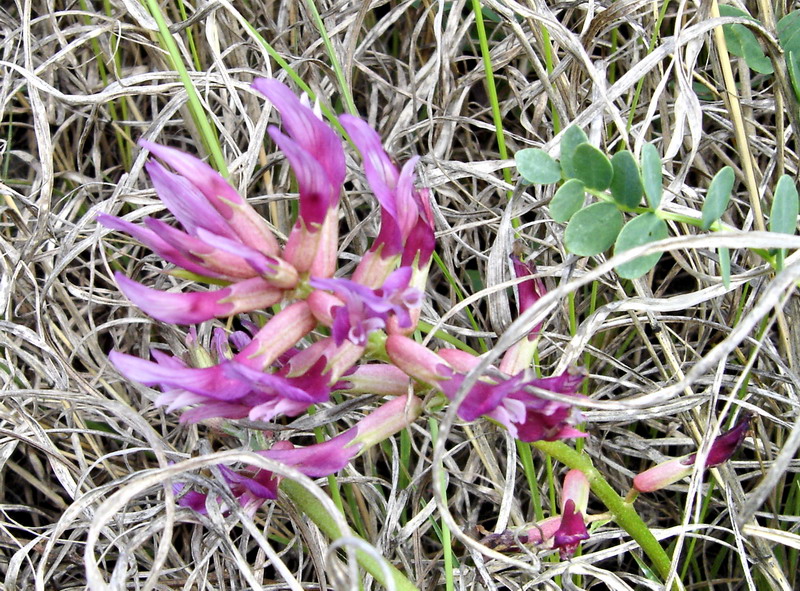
381,173
311,133
531,290
177,308
420,245
571,532
189,206
261,485
407,205
318,460
195,501
726,444
310,387
317,193
157,244
209,381
240,217
215,188
211,260
257,260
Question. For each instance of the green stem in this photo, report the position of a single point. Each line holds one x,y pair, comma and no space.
199,116
337,67
447,549
491,89
308,504
330,115
623,513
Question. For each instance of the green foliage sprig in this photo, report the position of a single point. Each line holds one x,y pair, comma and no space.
618,217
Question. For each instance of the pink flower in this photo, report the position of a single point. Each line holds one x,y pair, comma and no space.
406,233
507,400
520,355
565,531
190,308
238,386
671,471
252,486
224,238
366,310
315,153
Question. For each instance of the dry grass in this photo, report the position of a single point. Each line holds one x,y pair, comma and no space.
84,454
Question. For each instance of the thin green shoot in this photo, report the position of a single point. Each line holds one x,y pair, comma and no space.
190,36
491,89
337,67
526,459
650,47
207,133
447,549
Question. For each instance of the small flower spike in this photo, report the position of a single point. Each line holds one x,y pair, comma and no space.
507,400
673,470
316,156
520,355
564,532
252,487
406,233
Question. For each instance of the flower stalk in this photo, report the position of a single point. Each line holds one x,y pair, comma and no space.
621,511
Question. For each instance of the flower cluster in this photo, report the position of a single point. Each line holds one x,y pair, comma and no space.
328,332
564,532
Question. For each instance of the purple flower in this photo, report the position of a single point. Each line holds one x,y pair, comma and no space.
315,153
366,310
190,308
671,471
252,486
406,218
508,400
197,190
519,356
565,531
571,532
239,386
224,238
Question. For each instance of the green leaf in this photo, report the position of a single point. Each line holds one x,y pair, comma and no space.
651,175
793,67
537,166
789,31
742,42
626,185
732,40
783,216
642,229
725,266
572,138
567,200
789,38
592,167
593,229
719,193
